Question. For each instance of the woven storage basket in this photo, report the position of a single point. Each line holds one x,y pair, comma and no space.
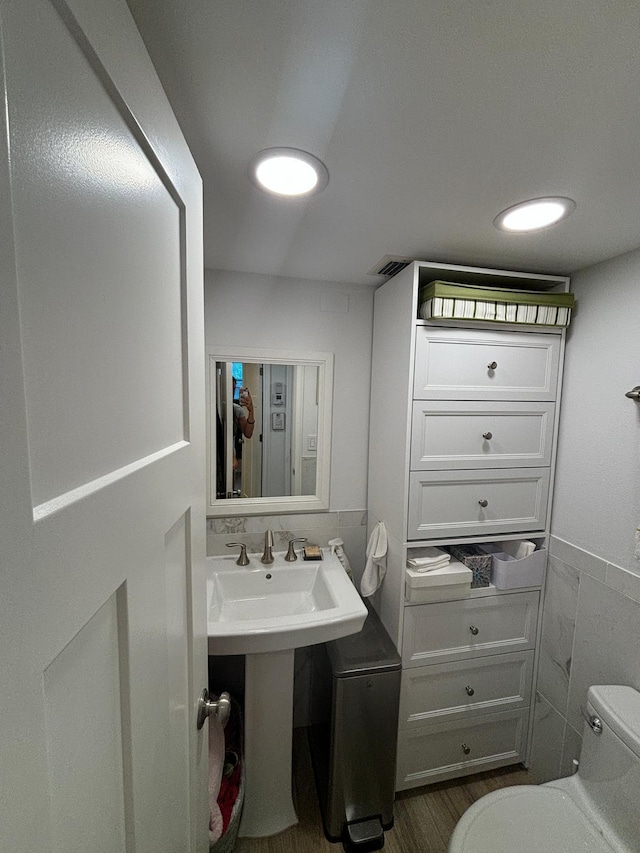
473,558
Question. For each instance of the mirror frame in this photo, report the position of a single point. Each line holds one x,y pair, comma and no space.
287,503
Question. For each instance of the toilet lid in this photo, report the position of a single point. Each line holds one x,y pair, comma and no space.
527,819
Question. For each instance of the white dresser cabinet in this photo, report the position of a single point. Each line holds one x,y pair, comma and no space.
469,628
476,503
463,687
448,749
446,435
474,364
462,450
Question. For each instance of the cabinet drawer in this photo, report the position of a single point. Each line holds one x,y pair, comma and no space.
476,503
465,688
453,364
446,435
444,750
469,627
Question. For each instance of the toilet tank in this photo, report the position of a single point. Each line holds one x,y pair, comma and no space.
620,708
609,771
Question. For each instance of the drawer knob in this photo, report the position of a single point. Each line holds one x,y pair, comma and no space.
466,749
483,503
473,630
492,365
487,435
470,690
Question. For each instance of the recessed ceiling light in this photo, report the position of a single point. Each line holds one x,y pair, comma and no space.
289,172
534,214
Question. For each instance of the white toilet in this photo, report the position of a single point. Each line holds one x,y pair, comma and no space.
597,810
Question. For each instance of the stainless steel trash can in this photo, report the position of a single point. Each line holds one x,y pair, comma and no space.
356,682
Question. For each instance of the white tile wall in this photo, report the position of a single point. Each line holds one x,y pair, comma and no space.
558,628
590,635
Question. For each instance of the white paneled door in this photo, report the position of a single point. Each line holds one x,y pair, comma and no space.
102,601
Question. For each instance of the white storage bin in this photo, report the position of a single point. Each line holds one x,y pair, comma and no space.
509,573
452,581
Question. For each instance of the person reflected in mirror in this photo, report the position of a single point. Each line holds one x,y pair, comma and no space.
243,414
243,421
220,476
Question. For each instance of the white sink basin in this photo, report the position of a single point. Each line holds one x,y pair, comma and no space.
265,613
256,608
262,594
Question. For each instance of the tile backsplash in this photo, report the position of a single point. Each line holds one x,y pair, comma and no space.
318,528
590,635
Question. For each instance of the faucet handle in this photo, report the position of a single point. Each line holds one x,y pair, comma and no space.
291,554
242,560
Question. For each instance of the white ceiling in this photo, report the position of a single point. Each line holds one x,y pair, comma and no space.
431,117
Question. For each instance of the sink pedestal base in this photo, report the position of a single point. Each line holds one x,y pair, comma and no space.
268,802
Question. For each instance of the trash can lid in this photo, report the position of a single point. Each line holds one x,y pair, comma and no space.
371,650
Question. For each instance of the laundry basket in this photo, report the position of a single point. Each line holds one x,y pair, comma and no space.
230,798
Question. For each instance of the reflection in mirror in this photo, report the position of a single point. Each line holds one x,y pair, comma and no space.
269,427
267,423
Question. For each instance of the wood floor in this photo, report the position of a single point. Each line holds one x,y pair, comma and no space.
424,817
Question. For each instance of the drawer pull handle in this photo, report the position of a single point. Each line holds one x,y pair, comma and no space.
466,749
492,365
470,690
487,435
473,630
483,503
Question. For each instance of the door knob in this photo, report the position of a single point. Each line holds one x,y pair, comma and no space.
483,503
487,435
466,749
207,706
470,690
492,365
473,630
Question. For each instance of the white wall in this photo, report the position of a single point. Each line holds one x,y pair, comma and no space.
597,493
266,311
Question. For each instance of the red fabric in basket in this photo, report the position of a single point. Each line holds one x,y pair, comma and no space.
229,788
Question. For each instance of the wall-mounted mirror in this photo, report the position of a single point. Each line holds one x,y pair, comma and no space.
268,430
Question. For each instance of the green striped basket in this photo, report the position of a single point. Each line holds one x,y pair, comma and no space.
446,300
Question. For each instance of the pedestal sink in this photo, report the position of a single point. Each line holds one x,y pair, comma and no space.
265,613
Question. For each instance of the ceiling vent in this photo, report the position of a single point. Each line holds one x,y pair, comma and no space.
390,265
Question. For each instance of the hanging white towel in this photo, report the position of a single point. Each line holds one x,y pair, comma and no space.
376,566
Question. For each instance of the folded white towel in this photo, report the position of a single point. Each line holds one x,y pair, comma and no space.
417,566
429,555
429,558
376,566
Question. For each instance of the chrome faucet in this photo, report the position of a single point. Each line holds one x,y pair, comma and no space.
267,555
